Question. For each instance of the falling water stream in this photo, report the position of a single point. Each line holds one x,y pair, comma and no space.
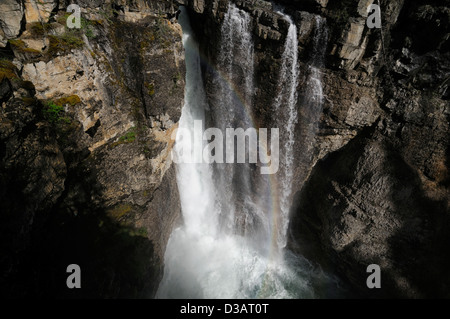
232,241
287,98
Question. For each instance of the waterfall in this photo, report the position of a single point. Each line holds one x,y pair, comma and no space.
225,247
236,56
314,83
314,97
286,106
234,86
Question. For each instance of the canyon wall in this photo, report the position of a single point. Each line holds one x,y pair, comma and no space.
86,118
85,146
371,179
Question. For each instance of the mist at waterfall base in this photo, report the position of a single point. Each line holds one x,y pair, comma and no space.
232,241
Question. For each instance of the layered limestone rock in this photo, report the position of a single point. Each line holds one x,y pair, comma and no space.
11,15
354,45
86,148
39,10
383,198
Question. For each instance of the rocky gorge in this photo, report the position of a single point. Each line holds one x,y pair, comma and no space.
87,117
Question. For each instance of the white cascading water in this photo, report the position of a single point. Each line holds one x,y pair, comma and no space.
204,258
313,97
236,66
286,107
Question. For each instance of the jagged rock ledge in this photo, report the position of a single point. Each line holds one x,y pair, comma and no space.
85,140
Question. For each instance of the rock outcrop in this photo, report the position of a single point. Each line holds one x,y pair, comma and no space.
379,190
86,125
39,10
11,17
383,198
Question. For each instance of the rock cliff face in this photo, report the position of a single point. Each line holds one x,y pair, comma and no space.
86,119
383,198
371,184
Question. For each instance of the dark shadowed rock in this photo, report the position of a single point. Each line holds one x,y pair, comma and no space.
365,205
86,174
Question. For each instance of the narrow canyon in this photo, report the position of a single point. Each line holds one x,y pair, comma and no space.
87,124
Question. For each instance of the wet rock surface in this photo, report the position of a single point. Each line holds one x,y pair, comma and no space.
86,119
371,184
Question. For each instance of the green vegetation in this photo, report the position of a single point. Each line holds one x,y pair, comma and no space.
129,137
60,43
64,43
39,29
71,38
86,25
87,28
53,112
150,88
133,232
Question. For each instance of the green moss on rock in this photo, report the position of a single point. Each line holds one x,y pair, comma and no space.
64,43
150,88
69,100
39,30
8,70
119,211
52,111
129,137
21,47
